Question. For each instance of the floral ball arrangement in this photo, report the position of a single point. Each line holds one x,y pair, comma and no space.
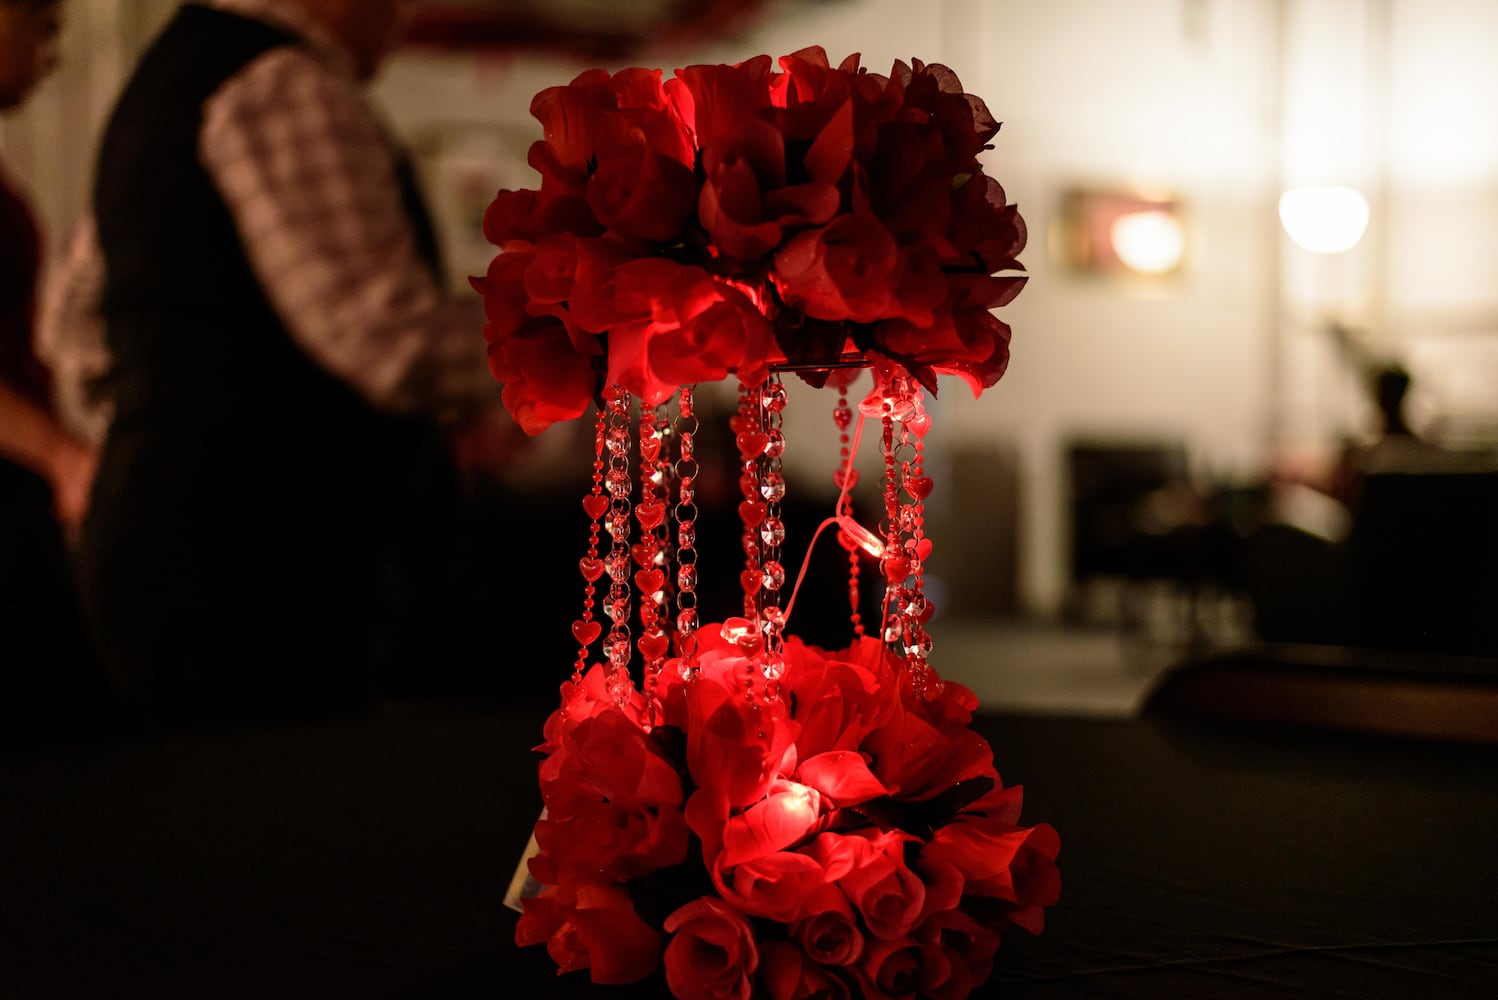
731,218
850,838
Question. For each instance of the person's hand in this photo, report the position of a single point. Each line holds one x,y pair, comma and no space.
72,469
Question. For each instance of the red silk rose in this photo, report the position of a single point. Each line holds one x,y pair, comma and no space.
890,970
613,806
591,925
815,209
829,930
713,954
888,895
790,974
956,954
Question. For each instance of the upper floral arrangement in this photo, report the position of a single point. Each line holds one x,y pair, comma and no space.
733,218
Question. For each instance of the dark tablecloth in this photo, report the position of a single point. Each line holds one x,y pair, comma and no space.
367,859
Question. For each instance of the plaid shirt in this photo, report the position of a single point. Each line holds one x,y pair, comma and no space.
309,174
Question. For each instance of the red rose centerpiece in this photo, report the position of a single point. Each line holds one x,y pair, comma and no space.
754,816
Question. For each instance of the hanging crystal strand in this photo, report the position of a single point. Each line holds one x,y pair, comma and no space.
772,535
685,514
918,486
914,609
893,563
845,474
750,438
895,401
595,504
619,482
652,553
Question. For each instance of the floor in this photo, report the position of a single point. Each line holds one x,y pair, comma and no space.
1046,669
1095,668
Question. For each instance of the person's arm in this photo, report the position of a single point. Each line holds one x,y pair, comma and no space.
70,336
33,438
310,178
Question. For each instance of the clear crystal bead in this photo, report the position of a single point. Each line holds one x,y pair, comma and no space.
772,531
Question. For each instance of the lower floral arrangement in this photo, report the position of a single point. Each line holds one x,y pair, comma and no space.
841,833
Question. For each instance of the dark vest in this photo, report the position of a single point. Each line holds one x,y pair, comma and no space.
189,326
250,507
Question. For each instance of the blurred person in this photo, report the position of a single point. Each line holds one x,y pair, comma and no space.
46,671
268,521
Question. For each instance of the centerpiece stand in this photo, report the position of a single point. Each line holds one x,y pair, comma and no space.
755,815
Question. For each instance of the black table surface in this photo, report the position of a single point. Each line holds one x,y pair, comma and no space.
368,858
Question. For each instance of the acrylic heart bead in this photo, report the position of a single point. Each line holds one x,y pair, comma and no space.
649,580
752,443
896,568
923,549
752,512
596,505
585,632
919,486
742,633
919,423
592,569
651,514
654,645
642,554
845,478
750,580
650,448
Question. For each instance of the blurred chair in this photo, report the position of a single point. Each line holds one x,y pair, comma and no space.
1138,519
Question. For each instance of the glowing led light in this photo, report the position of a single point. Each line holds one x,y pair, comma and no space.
865,539
1150,242
1324,220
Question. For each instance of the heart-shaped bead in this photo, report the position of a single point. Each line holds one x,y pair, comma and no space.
923,549
845,478
919,423
596,505
651,514
592,569
585,631
654,645
752,443
750,580
919,486
896,568
649,580
650,448
643,554
752,512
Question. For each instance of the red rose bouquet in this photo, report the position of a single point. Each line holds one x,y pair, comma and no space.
850,837
760,817
732,218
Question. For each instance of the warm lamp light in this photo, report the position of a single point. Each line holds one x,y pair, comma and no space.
1150,242
1138,237
1324,220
